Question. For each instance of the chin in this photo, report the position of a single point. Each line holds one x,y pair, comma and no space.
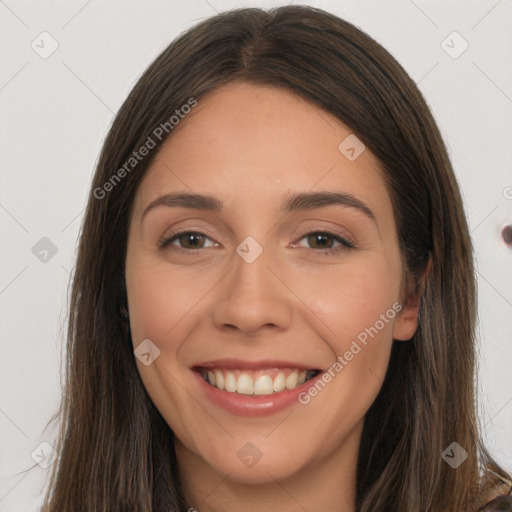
246,464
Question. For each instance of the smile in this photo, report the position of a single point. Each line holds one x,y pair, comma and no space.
256,382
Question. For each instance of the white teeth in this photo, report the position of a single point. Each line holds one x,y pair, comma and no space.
230,382
242,382
279,382
219,379
263,385
291,380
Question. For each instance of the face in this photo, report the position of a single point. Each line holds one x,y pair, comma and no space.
281,287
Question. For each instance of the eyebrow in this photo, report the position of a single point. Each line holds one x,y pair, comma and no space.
292,202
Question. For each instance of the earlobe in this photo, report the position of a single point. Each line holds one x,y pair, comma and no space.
406,323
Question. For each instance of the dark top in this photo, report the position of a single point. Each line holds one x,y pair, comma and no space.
501,503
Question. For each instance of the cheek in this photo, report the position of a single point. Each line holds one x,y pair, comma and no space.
352,299
160,299
161,306
357,307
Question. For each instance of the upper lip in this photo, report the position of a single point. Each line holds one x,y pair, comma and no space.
241,364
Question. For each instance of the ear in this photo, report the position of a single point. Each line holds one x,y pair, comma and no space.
406,322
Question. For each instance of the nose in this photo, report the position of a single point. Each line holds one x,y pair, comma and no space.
253,298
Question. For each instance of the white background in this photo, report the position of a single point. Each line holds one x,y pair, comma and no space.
55,113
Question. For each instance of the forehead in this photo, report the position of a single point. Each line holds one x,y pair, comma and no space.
260,142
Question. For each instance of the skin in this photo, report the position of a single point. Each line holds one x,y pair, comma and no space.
248,146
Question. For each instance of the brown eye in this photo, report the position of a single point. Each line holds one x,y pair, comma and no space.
329,242
186,240
321,240
192,240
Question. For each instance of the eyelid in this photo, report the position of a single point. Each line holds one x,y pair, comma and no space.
167,238
345,243
346,240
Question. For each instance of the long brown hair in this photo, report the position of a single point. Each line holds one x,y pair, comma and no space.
116,452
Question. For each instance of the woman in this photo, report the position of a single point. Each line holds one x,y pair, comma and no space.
274,299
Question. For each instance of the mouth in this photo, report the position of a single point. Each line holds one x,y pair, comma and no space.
262,381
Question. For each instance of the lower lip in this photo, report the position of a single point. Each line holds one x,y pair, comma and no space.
253,405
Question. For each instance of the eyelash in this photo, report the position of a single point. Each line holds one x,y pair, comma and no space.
345,244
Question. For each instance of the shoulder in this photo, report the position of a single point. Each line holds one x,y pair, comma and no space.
497,499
